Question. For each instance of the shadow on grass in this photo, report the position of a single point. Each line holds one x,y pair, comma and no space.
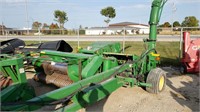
170,62
188,94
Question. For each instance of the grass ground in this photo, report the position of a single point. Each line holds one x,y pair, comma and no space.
169,50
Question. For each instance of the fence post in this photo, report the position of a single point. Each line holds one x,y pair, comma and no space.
78,38
124,39
6,34
39,35
180,44
2,29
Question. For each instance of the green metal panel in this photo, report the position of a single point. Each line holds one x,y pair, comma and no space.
92,67
10,73
92,94
5,94
109,63
68,90
101,47
14,68
106,64
62,54
73,72
17,91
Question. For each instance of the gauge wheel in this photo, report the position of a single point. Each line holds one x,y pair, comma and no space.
157,79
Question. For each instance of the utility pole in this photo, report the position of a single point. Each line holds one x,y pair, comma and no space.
2,13
27,17
173,13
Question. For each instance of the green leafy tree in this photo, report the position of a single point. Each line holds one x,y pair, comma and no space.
36,25
176,24
190,21
108,12
82,32
166,24
61,17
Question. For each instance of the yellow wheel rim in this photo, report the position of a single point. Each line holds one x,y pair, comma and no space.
161,83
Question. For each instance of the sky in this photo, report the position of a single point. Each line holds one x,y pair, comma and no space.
86,13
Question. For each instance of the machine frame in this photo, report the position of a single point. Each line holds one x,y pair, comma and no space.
95,72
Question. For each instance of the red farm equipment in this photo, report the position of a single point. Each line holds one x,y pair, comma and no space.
190,54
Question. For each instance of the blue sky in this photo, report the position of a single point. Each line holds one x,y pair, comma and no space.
87,12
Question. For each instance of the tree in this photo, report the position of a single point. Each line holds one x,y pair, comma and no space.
36,25
108,12
176,24
166,24
45,26
80,27
61,17
190,21
54,28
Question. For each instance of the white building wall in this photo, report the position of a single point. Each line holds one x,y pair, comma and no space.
94,32
129,31
110,32
142,29
139,26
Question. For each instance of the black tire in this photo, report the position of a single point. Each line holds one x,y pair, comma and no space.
183,69
156,77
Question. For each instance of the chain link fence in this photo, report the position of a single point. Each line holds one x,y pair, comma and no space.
99,31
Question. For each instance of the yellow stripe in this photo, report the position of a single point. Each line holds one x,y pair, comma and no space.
156,55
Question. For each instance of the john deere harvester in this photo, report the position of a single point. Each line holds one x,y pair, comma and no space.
85,77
